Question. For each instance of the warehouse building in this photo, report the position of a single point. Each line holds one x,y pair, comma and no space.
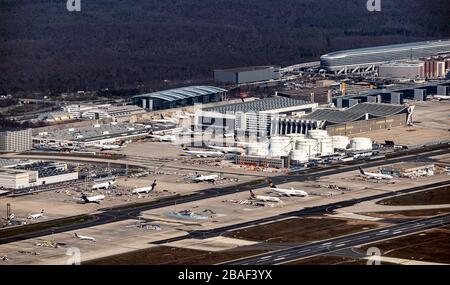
407,70
91,135
360,118
30,174
180,97
366,59
252,118
244,75
418,92
15,140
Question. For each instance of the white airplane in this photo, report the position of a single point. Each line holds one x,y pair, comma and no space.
378,176
93,199
441,97
264,198
226,149
205,178
145,189
165,121
163,138
103,147
202,153
80,237
103,185
287,192
36,216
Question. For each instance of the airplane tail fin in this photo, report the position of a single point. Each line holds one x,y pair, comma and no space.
121,143
252,194
162,116
184,147
362,171
76,235
42,211
271,184
153,185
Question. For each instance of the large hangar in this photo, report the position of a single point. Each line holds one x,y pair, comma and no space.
368,58
179,97
364,117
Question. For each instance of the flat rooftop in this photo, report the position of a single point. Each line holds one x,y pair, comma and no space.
94,132
260,105
246,68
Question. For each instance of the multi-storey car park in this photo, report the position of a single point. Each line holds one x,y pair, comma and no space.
368,58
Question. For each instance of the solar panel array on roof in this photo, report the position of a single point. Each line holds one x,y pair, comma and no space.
182,93
258,105
356,112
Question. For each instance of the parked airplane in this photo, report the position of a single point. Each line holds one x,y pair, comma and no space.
80,237
264,198
202,153
145,189
103,147
441,97
104,185
36,216
162,138
93,199
205,178
286,192
165,121
226,149
371,175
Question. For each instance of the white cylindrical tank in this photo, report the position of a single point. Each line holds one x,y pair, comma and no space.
317,134
299,156
257,149
325,146
340,142
280,146
361,144
307,146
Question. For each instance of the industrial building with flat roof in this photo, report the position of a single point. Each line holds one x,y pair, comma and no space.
409,169
15,140
397,95
242,75
91,135
368,58
252,117
361,118
179,97
27,174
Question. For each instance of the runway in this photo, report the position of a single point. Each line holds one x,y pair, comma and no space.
336,244
130,212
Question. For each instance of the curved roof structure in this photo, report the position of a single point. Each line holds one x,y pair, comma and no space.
356,112
260,105
380,54
182,93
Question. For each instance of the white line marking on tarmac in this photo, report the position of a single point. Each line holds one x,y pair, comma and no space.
281,258
436,222
265,257
339,245
383,231
327,243
397,232
305,250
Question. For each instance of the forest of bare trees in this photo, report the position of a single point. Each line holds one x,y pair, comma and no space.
148,44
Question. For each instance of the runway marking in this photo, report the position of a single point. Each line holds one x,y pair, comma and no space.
265,257
419,225
380,234
436,222
281,258
364,237
305,250
327,243
383,231
339,245
397,232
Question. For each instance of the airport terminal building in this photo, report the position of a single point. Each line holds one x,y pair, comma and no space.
366,59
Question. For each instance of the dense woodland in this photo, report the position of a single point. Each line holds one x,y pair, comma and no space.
150,44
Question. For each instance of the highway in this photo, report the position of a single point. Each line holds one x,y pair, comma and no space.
339,243
130,212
